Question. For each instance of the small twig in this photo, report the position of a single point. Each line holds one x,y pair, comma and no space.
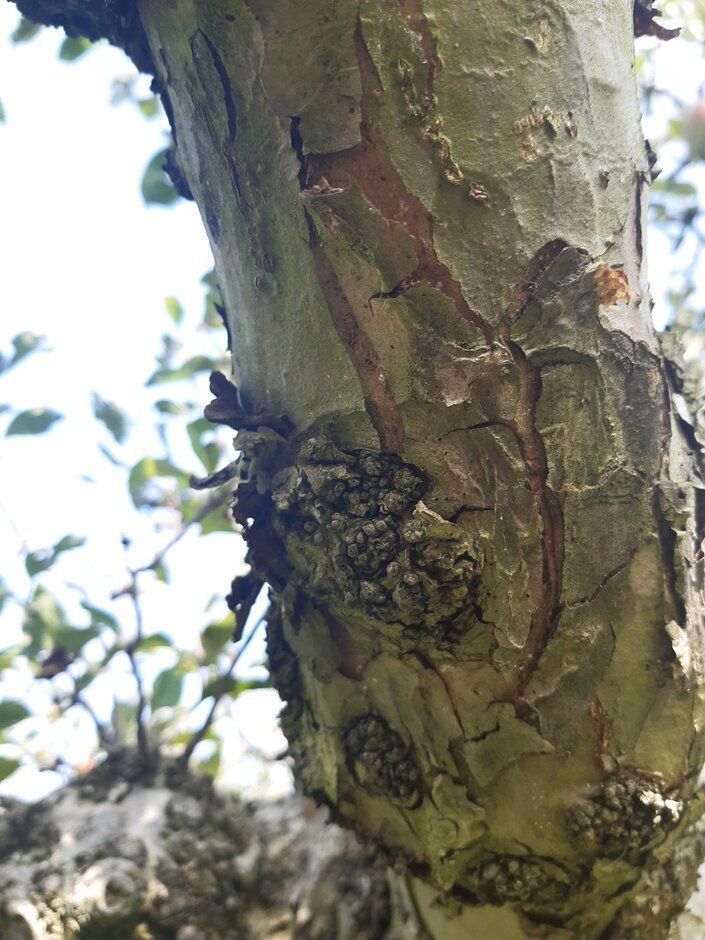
105,738
218,693
213,501
142,736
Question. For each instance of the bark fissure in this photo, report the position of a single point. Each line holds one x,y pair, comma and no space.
228,99
533,451
380,403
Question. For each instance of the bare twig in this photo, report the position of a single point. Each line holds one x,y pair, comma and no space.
105,738
213,501
218,693
130,649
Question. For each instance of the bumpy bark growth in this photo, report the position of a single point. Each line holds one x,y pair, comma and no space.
471,490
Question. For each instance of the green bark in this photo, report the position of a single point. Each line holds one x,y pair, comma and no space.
483,529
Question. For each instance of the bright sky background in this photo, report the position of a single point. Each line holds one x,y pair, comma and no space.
84,262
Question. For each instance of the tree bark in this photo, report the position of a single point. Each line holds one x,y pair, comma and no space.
159,855
466,469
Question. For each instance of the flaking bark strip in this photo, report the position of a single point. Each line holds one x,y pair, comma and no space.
380,403
370,167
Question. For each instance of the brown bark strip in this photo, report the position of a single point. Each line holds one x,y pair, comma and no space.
379,400
416,18
533,452
369,166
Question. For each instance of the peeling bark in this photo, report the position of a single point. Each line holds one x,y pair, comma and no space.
480,524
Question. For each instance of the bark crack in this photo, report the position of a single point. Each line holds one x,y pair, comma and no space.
200,39
455,746
602,584
380,403
533,452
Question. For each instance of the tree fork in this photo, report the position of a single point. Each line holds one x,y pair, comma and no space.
481,529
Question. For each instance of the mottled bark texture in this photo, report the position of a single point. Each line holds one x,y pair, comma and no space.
483,524
124,854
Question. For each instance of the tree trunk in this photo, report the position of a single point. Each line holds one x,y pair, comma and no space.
467,472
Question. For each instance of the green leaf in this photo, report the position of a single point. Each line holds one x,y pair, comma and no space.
207,452
73,47
24,31
8,657
173,408
161,571
149,106
11,712
3,120
33,421
25,343
218,520
156,185
4,593
41,560
142,477
42,617
7,767
74,639
211,764
191,367
68,542
215,636
154,641
174,309
112,416
213,300
124,721
98,615
167,688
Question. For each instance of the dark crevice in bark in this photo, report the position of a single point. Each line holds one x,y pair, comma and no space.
533,452
531,278
645,24
221,71
463,509
638,228
668,541
603,582
481,425
380,403
297,145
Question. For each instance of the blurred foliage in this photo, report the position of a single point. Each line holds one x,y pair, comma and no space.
82,660
76,657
